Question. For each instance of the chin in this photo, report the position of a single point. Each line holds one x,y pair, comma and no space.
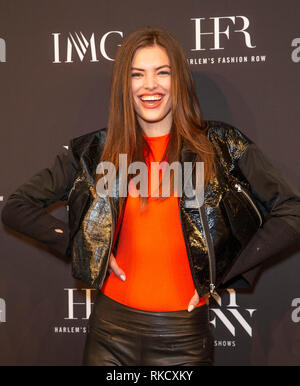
149,118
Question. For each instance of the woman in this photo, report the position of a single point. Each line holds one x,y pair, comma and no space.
154,260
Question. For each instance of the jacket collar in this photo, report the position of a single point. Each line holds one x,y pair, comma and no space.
92,148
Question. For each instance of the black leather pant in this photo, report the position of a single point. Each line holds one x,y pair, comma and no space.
124,336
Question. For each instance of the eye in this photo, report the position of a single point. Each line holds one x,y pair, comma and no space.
136,74
164,72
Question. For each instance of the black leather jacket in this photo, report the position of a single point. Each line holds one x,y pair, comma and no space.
88,235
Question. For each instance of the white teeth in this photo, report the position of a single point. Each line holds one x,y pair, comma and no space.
151,98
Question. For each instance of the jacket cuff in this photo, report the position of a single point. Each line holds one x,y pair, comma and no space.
273,238
36,223
60,242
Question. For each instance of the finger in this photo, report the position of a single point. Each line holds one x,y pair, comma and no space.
109,268
116,269
206,298
194,301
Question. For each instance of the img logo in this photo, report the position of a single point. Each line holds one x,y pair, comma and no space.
2,50
80,46
229,315
2,311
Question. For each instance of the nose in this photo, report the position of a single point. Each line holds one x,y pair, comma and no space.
150,82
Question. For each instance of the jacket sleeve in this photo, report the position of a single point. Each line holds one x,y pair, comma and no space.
281,200
25,211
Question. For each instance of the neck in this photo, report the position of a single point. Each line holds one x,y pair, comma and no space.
156,132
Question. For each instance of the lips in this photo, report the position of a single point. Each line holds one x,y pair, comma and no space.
151,101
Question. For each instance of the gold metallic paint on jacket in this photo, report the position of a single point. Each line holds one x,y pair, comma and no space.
92,244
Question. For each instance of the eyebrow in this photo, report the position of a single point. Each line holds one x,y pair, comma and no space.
158,68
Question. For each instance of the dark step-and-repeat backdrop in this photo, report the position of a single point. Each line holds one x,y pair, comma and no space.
56,60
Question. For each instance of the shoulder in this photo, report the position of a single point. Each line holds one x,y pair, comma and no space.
92,140
225,131
226,137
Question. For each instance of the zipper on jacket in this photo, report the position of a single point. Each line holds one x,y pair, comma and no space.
210,252
240,189
74,186
188,251
210,258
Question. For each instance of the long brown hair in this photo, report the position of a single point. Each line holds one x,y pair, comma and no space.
124,135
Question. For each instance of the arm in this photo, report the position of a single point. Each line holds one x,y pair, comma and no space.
282,202
25,211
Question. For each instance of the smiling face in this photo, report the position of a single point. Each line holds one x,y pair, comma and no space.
151,89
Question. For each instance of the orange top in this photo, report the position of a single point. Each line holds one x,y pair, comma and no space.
152,252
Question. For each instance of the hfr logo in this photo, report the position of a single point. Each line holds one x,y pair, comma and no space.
217,32
86,305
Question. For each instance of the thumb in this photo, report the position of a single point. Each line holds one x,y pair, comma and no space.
116,269
194,301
